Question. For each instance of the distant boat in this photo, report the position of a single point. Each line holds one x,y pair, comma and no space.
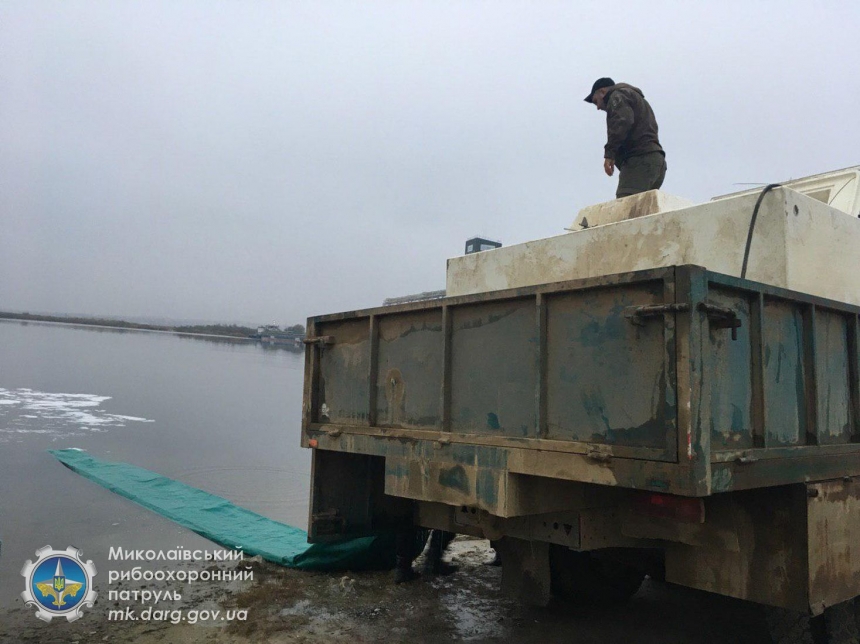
273,335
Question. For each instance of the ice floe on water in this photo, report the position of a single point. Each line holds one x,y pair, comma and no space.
26,411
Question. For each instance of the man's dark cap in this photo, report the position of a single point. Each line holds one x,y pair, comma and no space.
600,83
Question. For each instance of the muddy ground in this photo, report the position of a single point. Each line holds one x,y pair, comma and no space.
293,606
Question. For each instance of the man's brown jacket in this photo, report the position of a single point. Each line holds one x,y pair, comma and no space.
630,124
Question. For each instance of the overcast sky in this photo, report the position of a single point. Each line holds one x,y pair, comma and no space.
267,161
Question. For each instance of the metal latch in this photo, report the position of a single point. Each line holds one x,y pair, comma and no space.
320,340
721,317
638,314
746,458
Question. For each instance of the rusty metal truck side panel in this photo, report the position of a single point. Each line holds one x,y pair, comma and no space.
677,380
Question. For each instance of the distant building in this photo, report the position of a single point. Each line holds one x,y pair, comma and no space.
474,245
477,244
273,334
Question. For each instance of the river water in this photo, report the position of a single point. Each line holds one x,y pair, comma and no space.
221,416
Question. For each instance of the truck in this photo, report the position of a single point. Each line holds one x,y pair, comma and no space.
665,389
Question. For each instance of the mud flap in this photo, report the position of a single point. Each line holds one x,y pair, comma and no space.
525,570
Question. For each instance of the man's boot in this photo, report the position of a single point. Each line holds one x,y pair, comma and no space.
433,564
497,557
403,570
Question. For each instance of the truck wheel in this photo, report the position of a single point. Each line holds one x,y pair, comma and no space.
583,578
837,625
789,626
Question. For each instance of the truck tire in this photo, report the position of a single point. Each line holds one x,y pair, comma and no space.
582,578
840,624
789,626
837,625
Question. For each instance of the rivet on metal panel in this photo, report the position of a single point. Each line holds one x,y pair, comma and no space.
443,441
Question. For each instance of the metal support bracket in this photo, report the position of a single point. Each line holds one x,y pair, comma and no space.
721,317
638,314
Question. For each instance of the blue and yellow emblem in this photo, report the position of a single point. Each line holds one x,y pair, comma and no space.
59,588
59,583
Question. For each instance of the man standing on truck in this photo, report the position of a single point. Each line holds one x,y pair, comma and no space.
632,142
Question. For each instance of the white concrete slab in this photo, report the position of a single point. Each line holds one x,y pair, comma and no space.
838,188
644,203
799,243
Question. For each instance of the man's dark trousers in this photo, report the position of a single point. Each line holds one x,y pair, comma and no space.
641,173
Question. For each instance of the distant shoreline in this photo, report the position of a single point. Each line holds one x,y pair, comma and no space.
205,331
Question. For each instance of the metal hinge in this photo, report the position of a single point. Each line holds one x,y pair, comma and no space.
637,314
721,317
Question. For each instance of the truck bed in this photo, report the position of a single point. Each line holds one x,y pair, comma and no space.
676,380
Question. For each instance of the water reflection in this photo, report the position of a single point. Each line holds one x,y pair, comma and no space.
221,414
211,339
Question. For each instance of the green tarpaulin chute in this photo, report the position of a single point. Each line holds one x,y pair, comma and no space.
227,524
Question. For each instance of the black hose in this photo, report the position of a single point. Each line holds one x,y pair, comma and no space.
767,189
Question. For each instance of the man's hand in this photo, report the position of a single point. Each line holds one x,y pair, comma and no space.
609,167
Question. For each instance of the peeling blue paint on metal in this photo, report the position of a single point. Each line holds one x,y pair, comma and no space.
454,477
493,457
721,479
486,486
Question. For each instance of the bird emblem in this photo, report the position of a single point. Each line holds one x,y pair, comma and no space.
59,587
